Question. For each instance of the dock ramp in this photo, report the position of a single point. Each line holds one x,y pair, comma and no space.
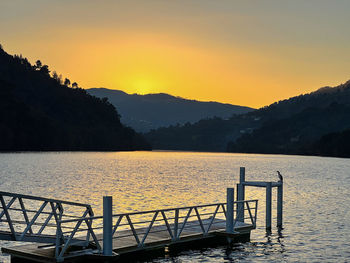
63,231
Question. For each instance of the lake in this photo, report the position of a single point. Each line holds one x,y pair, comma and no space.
316,194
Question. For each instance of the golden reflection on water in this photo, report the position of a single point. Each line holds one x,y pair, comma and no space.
314,187
140,180
136,180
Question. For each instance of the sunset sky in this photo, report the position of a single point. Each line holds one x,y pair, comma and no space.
248,53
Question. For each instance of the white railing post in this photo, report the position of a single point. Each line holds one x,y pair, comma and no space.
240,195
279,204
255,212
176,224
107,226
229,210
242,174
268,204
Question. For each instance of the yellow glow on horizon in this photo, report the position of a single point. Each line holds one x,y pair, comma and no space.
227,51
142,86
136,62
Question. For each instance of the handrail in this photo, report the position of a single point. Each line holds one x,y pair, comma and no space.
50,213
37,198
159,210
174,225
40,222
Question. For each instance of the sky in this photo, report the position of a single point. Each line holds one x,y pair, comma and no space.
249,53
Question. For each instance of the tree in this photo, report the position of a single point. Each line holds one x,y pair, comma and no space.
75,85
26,63
45,70
38,65
60,79
1,48
55,75
66,82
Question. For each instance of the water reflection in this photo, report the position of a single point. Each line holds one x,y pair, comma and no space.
316,197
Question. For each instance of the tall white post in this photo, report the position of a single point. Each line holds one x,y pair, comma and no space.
268,204
229,210
279,204
240,195
107,226
242,174
176,223
240,206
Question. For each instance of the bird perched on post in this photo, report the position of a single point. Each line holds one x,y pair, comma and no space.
280,176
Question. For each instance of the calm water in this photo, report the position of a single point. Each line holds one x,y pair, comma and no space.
316,208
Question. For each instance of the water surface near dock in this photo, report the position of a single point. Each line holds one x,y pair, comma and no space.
316,194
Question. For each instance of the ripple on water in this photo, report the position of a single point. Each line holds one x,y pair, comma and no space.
316,197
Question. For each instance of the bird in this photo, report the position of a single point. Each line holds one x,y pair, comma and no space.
280,176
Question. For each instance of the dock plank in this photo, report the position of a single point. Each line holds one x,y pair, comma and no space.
125,242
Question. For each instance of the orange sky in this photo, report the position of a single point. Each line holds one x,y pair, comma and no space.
228,51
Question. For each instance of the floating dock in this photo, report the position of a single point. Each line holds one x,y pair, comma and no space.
157,243
58,235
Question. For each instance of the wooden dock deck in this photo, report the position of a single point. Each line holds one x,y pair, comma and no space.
125,245
59,235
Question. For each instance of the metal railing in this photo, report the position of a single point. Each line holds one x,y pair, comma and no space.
72,228
36,219
138,226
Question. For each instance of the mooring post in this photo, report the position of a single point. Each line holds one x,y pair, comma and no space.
240,195
107,226
229,210
268,204
240,206
176,223
279,204
242,174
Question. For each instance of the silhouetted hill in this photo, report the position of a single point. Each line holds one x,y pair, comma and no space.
317,114
205,135
295,134
151,111
288,126
40,112
332,144
320,98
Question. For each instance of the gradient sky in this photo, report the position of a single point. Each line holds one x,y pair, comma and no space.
241,52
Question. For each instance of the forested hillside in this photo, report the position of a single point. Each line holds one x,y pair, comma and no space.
291,126
39,111
295,134
332,144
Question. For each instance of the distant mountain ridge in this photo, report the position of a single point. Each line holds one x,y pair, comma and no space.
298,125
307,129
151,111
296,134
